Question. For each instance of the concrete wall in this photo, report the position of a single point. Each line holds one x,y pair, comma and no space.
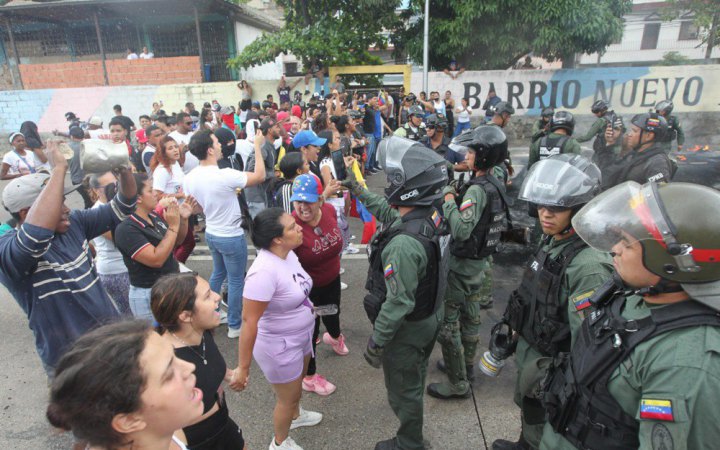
121,72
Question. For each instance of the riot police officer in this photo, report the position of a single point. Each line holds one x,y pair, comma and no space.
601,110
558,141
477,217
414,129
643,370
551,301
646,160
675,131
502,113
541,126
605,156
405,279
436,140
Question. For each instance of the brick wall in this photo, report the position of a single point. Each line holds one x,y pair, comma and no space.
121,72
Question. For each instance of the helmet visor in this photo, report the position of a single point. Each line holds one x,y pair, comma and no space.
554,182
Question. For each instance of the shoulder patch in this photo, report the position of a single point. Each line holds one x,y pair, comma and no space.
661,438
436,219
582,301
466,204
655,409
389,271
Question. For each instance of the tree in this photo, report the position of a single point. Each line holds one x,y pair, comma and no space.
333,32
494,34
674,59
706,16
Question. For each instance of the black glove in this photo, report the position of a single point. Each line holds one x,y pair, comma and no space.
373,353
353,186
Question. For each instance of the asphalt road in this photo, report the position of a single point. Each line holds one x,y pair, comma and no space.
356,416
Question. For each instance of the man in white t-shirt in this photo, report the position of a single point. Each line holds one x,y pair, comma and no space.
182,135
131,54
215,190
146,54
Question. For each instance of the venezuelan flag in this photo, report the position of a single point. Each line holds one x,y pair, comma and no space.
389,270
466,204
656,410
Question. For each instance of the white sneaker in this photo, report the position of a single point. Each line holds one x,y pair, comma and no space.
351,250
352,238
223,317
342,270
343,286
306,419
233,333
287,444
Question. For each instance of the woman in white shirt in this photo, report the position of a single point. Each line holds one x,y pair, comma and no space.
166,167
111,269
18,161
463,117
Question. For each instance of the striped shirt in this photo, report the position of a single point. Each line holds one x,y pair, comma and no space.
52,277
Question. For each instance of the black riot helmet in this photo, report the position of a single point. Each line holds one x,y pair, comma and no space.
599,106
437,121
652,122
563,119
489,143
503,107
416,175
664,107
416,110
548,112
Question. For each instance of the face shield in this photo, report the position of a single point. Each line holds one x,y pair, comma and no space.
390,155
630,213
555,182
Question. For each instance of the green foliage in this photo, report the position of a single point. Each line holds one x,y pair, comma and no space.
675,59
317,30
494,34
705,11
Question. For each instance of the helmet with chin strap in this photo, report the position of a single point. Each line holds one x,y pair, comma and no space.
679,238
489,144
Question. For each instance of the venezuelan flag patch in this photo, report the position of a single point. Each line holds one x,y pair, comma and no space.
582,301
436,219
389,270
466,204
653,409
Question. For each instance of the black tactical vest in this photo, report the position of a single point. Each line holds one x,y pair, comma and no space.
485,237
414,135
427,226
671,133
552,146
577,399
535,309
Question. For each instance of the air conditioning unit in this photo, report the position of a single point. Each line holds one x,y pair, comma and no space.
291,69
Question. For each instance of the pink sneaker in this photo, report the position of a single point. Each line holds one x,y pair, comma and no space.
318,384
337,344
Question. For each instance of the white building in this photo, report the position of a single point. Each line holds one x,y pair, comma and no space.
647,38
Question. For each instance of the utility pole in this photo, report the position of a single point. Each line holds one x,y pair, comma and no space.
426,34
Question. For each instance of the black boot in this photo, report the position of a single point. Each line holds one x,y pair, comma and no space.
502,444
469,369
390,444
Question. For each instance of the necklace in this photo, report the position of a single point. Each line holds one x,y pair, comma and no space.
202,342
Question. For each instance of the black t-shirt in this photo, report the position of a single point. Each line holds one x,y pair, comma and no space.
129,124
134,234
208,377
369,121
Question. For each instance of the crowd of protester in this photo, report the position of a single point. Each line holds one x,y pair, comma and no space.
268,171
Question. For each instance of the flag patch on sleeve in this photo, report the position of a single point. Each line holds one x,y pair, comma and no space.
389,270
652,409
466,204
436,219
582,301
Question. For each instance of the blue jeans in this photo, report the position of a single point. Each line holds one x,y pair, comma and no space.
229,256
370,163
140,303
460,127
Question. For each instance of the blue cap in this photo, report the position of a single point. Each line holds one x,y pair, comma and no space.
306,188
307,137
